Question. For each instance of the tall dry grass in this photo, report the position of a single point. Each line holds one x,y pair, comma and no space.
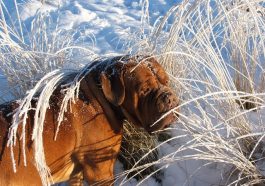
214,53
28,53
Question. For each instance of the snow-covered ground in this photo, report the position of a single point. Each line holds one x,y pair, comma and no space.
106,27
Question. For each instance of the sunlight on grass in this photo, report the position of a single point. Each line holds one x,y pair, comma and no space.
213,52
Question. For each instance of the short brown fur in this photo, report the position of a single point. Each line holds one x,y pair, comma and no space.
90,136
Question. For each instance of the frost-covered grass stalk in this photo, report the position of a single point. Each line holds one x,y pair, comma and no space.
43,91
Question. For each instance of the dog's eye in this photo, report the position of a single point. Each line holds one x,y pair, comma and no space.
145,90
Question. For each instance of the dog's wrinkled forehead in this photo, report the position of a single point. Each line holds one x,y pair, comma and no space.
146,69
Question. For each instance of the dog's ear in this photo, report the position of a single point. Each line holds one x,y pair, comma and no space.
112,83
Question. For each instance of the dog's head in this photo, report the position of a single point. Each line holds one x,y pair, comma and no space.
141,90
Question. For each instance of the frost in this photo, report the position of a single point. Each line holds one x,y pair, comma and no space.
44,90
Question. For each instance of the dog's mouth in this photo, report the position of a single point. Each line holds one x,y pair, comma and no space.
162,122
159,110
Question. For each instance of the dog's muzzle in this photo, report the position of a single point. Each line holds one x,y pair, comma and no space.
166,101
159,108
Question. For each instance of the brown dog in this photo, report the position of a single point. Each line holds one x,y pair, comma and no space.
89,139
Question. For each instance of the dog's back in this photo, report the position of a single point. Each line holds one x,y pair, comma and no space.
58,152
84,138
7,176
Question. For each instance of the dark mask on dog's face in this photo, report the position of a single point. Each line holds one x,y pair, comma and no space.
142,91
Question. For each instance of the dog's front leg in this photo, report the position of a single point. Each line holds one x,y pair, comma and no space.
101,173
76,177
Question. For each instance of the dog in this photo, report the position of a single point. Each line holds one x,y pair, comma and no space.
113,90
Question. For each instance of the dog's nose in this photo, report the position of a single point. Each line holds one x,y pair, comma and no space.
166,101
169,99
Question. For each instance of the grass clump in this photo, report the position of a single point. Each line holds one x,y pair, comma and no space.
136,144
28,53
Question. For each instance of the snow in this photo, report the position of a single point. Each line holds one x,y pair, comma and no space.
105,27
